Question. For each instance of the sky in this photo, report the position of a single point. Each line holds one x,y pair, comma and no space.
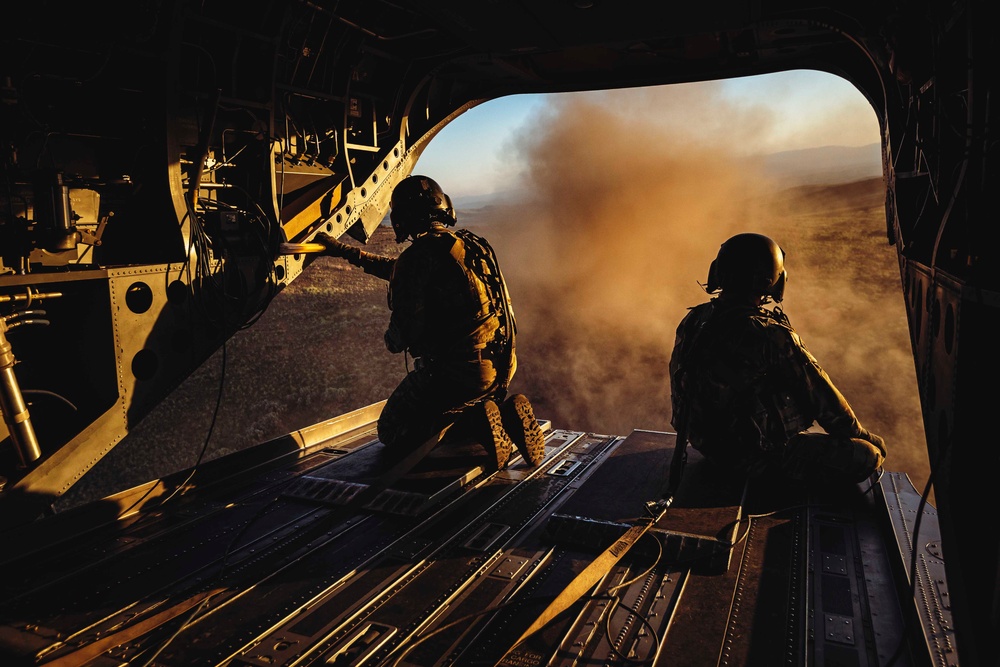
476,155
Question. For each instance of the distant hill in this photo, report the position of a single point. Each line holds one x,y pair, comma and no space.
826,165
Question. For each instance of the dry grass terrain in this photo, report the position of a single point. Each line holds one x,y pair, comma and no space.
585,361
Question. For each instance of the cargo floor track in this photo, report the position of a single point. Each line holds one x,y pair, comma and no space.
302,559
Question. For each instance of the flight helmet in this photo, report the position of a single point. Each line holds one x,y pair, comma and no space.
750,264
416,202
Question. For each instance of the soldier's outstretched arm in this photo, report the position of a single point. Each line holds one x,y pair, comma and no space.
376,265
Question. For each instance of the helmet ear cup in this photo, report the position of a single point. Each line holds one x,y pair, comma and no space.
714,279
448,209
399,228
777,291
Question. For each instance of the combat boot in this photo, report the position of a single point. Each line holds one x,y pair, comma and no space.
519,421
494,438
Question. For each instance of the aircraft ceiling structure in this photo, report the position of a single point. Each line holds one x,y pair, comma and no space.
156,155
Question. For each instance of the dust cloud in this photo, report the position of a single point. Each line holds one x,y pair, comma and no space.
622,206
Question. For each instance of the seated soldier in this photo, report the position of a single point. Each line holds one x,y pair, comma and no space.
745,390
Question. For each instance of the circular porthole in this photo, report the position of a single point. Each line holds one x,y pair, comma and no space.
145,363
138,297
177,292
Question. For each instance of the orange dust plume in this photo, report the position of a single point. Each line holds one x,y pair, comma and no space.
621,209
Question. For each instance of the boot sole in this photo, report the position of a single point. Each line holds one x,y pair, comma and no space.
519,421
497,443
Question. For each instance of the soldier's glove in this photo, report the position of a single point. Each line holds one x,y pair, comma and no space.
336,247
875,440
